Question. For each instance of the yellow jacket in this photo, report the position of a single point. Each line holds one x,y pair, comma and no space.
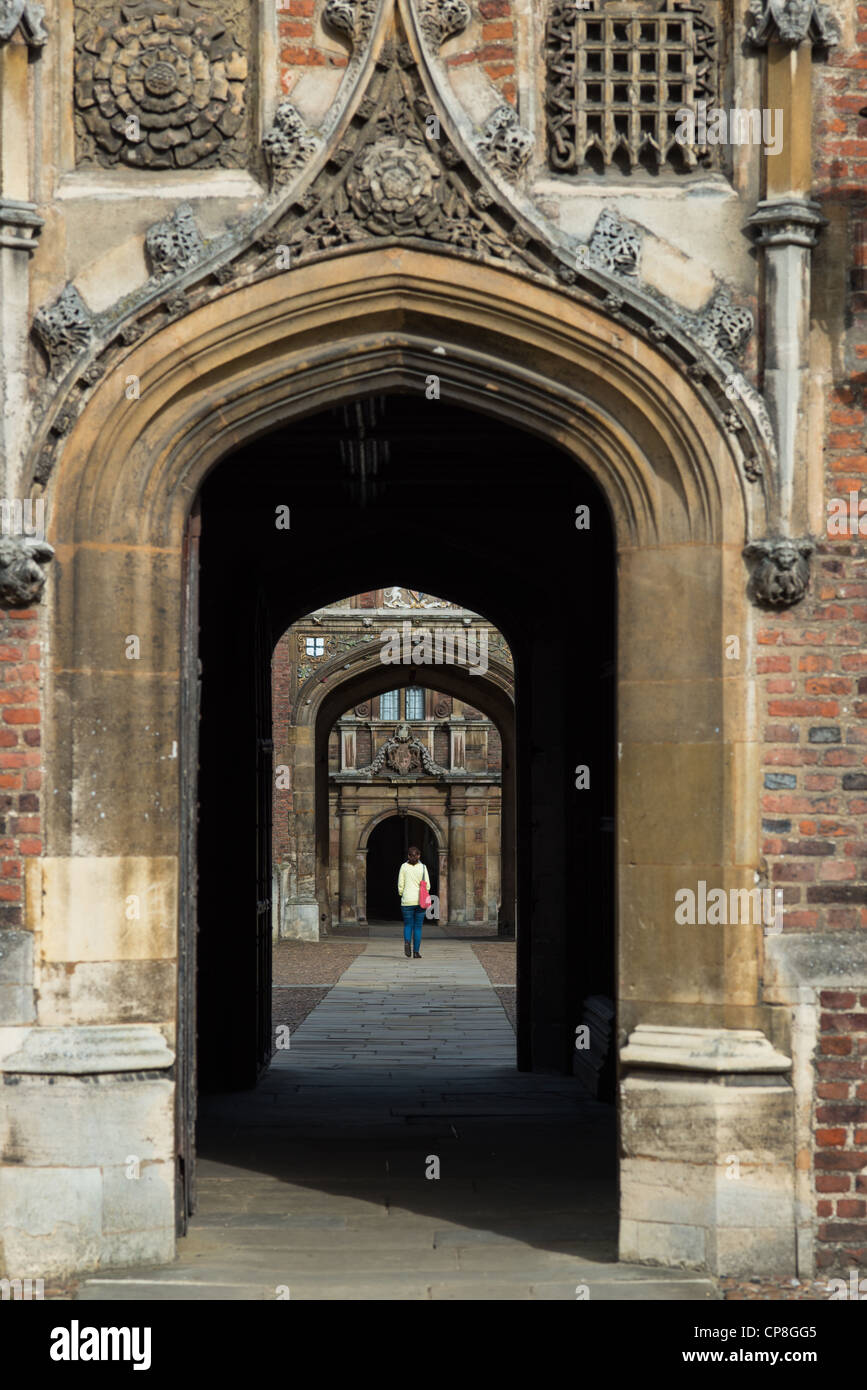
408,881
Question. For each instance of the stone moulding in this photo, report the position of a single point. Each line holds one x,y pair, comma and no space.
22,577
176,243
715,1050
781,570
20,225
377,176
83,1050
790,22
31,17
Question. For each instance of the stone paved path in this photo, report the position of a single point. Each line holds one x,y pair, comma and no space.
316,1183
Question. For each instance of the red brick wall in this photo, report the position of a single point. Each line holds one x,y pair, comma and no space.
813,664
296,39
841,1131
494,49
20,757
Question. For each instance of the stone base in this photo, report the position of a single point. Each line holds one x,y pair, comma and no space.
300,921
708,1172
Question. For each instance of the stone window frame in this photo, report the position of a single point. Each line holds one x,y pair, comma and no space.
728,168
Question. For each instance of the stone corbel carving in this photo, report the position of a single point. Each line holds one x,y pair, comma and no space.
790,22
724,328
64,328
781,570
442,19
504,142
176,243
288,145
22,577
31,18
614,246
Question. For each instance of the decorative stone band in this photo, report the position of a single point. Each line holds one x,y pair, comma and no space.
787,222
790,22
31,17
702,1049
781,570
84,1050
20,225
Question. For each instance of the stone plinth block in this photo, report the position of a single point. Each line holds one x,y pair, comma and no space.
88,1180
16,977
708,1170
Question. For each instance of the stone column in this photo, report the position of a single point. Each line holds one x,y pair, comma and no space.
444,885
457,809
786,224
19,232
348,814
302,908
348,744
457,743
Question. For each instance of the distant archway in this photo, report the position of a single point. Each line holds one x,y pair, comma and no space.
384,845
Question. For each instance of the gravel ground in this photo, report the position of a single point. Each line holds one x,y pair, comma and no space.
497,959
313,962
775,1290
304,971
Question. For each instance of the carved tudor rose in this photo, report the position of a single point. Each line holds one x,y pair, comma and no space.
159,84
392,191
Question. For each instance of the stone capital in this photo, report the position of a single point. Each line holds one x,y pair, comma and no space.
20,225
787,222
791,22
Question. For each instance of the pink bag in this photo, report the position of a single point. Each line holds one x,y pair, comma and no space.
423,894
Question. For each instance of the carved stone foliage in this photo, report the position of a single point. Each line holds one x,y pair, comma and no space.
288,145
176,243
161,84
442,19
351,17
31,18
781,570
614,246
617,71
404,755
790,22
64,328
22,577
392,181
723,327
504,142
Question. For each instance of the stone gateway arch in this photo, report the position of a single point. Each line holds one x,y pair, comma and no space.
380,235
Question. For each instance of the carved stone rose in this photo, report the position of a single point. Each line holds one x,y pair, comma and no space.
161,86
393,190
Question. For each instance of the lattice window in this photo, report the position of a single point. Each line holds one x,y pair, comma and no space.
618,73
415,703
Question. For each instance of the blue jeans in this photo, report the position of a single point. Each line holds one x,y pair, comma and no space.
413,917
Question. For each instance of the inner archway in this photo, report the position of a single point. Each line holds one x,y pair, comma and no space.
386,849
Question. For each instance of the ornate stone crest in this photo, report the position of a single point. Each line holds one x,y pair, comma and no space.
161,83
404,755
791,22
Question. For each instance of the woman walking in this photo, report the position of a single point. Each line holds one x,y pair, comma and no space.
412,875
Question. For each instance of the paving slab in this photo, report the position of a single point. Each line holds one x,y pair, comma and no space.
323,1179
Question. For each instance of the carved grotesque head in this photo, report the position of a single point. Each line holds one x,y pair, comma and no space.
782,570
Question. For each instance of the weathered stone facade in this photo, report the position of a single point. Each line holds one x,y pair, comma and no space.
178,288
